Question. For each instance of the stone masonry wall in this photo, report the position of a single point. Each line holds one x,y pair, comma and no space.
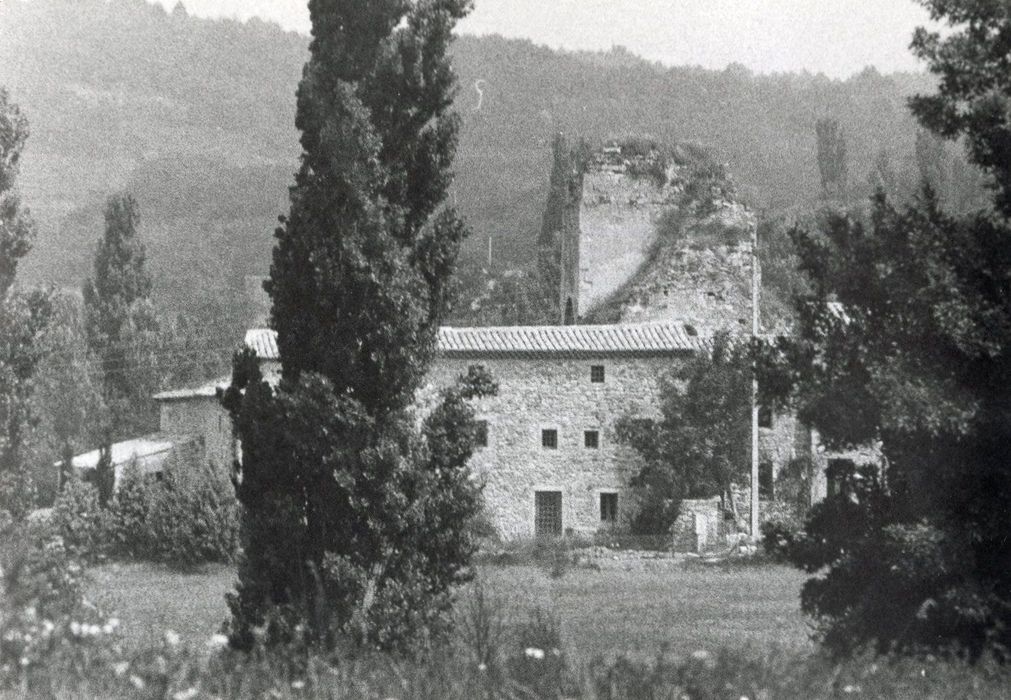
202,416
618,216
557,394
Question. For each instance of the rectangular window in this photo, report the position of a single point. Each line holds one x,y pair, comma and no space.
764,417
481,434
549,439
547,513
837,473
597,374
609,508
765,481
591,439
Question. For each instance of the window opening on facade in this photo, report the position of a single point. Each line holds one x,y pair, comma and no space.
570,317
549,439
547,513
609,508
766,481
836,473
764,417
597,374
591,439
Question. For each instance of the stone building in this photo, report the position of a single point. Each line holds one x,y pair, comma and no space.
549,459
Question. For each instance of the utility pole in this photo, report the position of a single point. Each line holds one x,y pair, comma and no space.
754,384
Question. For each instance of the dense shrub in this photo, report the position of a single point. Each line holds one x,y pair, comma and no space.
193,519
778,535
186,518
80,521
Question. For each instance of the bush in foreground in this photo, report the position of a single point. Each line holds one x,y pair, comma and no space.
173,670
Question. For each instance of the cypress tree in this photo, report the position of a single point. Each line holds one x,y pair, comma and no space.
354,519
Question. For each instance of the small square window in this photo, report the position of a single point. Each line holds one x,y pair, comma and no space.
608,508
591,439
597,374
764,417
481,433
549,439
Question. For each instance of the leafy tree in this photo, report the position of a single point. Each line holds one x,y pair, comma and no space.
354,521
67,393
832,164
973,88
120,317
701,445
23,318
905,338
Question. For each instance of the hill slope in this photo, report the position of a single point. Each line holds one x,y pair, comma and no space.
195,117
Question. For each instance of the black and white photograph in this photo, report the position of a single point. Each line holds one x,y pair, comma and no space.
505,349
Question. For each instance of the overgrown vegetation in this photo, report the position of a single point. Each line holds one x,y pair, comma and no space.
905,337
185,518
700,448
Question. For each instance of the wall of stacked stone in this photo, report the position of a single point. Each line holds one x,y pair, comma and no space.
556,393
699,525
618,217
203,416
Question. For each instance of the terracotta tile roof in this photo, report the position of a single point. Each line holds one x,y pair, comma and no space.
540,341
569,341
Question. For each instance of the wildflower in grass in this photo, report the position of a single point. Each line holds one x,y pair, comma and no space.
851,689
171,638
298,685
120,668
482,667
187,694
137,682
534,653
217,641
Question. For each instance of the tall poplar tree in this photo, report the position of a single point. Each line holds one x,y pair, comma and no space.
355,522
23,318
118,314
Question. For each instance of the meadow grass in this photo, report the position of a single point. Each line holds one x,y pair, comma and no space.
666,631
602,613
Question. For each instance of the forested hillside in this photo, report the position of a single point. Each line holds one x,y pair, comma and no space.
196,119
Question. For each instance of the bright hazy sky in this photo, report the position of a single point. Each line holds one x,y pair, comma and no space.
835,37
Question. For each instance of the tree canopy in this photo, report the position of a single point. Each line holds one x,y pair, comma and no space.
904,337
701,446
356,507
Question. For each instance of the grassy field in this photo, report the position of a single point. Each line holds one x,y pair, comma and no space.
601,612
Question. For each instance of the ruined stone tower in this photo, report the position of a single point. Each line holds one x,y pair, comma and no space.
643,232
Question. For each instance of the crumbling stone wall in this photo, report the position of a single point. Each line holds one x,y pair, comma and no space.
644,233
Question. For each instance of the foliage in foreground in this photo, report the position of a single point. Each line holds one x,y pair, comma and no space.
356,510
173,670
905,338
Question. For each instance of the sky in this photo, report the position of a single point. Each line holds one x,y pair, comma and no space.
834,37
